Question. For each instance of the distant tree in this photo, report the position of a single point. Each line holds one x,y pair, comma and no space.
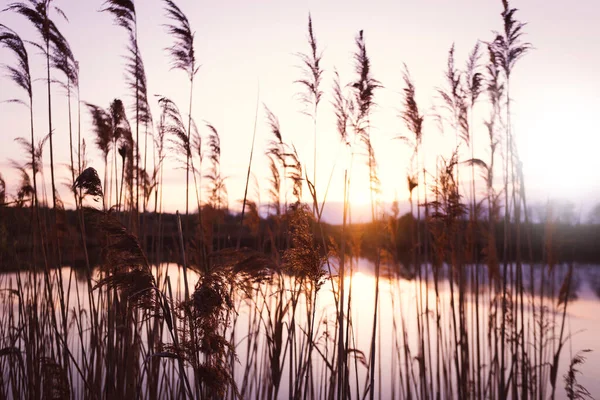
559,211
594,217
2,191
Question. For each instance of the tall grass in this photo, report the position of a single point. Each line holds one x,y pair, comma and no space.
174,308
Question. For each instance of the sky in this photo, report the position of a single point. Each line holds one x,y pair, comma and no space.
249,48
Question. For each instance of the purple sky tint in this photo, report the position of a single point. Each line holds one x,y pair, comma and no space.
556,88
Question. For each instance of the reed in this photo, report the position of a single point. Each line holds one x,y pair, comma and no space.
21,75
124,13
311,83
269,303
184,58
53,42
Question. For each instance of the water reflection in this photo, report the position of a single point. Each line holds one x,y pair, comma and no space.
399,293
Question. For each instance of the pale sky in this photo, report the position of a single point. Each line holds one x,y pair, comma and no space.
555,88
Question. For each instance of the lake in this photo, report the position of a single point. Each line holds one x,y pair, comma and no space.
409,343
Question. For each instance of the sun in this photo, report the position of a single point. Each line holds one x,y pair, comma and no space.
360,197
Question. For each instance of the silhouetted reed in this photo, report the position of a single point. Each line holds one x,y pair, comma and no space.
183,58
124,13
21,76
54,44
311,83
266,304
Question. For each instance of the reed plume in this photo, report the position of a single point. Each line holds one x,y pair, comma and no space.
121,131
365,86
218,190
173,125
413,120
341,106
508,46
312,72
63,61
575,390
35,165
410,113
103,128
454,99
89,182
19,74
295,173
25,190
275,152
182,51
